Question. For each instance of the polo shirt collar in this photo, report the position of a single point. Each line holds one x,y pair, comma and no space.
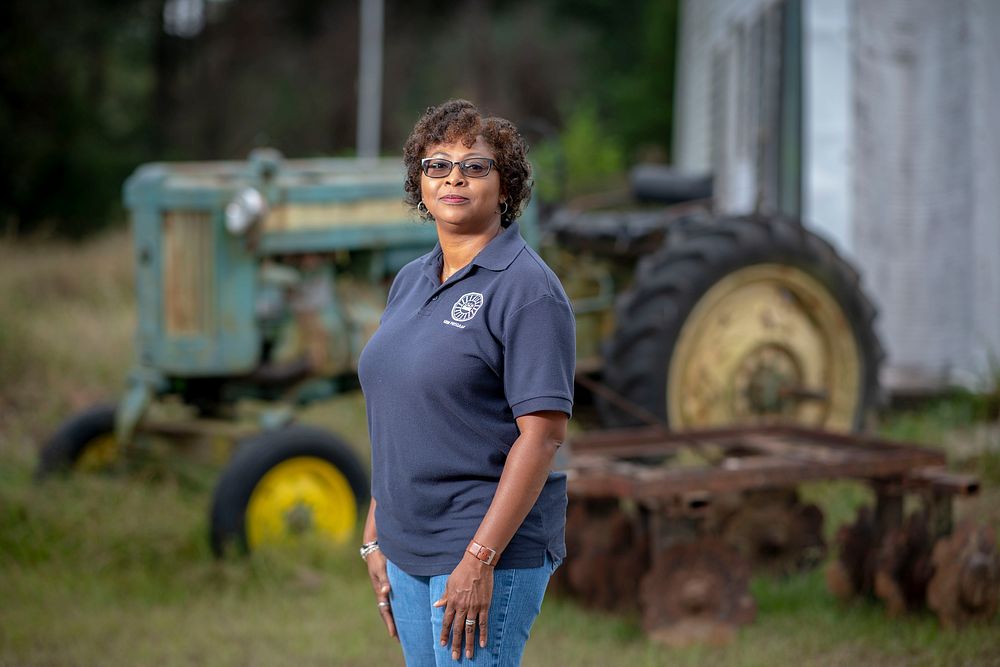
501,251
498,254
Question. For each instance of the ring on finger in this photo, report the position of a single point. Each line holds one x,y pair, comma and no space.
383,603
470,622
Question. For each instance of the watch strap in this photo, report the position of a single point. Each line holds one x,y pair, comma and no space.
485,554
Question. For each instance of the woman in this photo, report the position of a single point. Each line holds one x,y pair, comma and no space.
469,384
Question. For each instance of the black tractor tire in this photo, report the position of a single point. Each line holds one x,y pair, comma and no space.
670,283
73,437
262,453
657,183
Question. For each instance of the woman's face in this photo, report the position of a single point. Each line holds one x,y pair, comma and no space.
457,200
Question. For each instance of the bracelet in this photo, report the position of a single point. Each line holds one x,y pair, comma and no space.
368,548
485,554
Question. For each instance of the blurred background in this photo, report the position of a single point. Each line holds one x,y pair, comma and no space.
92,89
870,121
873,122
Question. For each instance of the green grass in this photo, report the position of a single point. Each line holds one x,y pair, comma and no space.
964,424
116,570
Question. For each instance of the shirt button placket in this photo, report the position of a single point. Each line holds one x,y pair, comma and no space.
429,304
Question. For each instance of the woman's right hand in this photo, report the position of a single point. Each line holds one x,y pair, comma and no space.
380,584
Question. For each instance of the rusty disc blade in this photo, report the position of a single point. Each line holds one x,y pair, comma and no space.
903,566
965,587
773,530
606,553
852,572
697,591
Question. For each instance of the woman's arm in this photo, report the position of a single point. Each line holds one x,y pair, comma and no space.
377,573
524,474
470,586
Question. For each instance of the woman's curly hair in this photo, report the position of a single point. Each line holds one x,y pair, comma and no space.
460,120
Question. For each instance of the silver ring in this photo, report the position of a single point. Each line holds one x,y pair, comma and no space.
470,622
383,603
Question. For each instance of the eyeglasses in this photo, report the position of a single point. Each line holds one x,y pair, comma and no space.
474,167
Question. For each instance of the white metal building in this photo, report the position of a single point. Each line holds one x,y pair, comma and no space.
877,122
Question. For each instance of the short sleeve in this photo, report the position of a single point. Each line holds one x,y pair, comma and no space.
540,357
394,289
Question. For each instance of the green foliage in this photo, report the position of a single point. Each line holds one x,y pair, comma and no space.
839,499
87,96
966,422
585,158
988,467
75,80
630,71
643,95
626,112
991,389
930,421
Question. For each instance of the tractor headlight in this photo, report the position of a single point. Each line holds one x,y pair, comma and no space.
246,208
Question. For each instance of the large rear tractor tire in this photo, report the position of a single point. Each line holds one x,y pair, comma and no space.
745,321
84,442
286,484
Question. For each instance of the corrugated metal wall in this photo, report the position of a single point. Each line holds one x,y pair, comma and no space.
925,182
704,26
914,195
740,101
983,358
828,111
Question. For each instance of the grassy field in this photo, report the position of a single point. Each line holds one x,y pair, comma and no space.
116,570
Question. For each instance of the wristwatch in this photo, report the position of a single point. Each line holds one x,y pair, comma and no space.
482,553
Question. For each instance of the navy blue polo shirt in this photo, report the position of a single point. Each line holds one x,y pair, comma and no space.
444,376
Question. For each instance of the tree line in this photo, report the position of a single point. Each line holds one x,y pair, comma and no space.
89,89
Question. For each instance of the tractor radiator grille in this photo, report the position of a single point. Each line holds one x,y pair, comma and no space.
187,271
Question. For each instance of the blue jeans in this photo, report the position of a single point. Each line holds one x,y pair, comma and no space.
517,599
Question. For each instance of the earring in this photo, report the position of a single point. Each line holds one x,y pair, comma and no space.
505,208
422,207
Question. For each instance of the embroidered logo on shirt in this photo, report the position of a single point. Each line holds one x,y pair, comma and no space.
466,307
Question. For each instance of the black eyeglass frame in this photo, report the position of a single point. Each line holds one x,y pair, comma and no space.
451,166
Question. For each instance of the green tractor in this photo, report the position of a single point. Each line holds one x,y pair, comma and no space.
259,282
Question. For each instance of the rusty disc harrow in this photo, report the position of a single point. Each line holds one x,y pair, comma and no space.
903,565
852,572
606,550
772,530
697,591
965,587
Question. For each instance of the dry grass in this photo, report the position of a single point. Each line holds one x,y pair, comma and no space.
66,329
115,570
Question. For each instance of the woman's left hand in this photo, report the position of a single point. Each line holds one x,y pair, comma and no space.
467,595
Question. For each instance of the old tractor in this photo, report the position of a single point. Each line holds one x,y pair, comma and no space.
739,360
258,283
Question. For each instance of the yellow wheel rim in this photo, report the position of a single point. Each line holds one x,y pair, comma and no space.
100,453
302,495
767,343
